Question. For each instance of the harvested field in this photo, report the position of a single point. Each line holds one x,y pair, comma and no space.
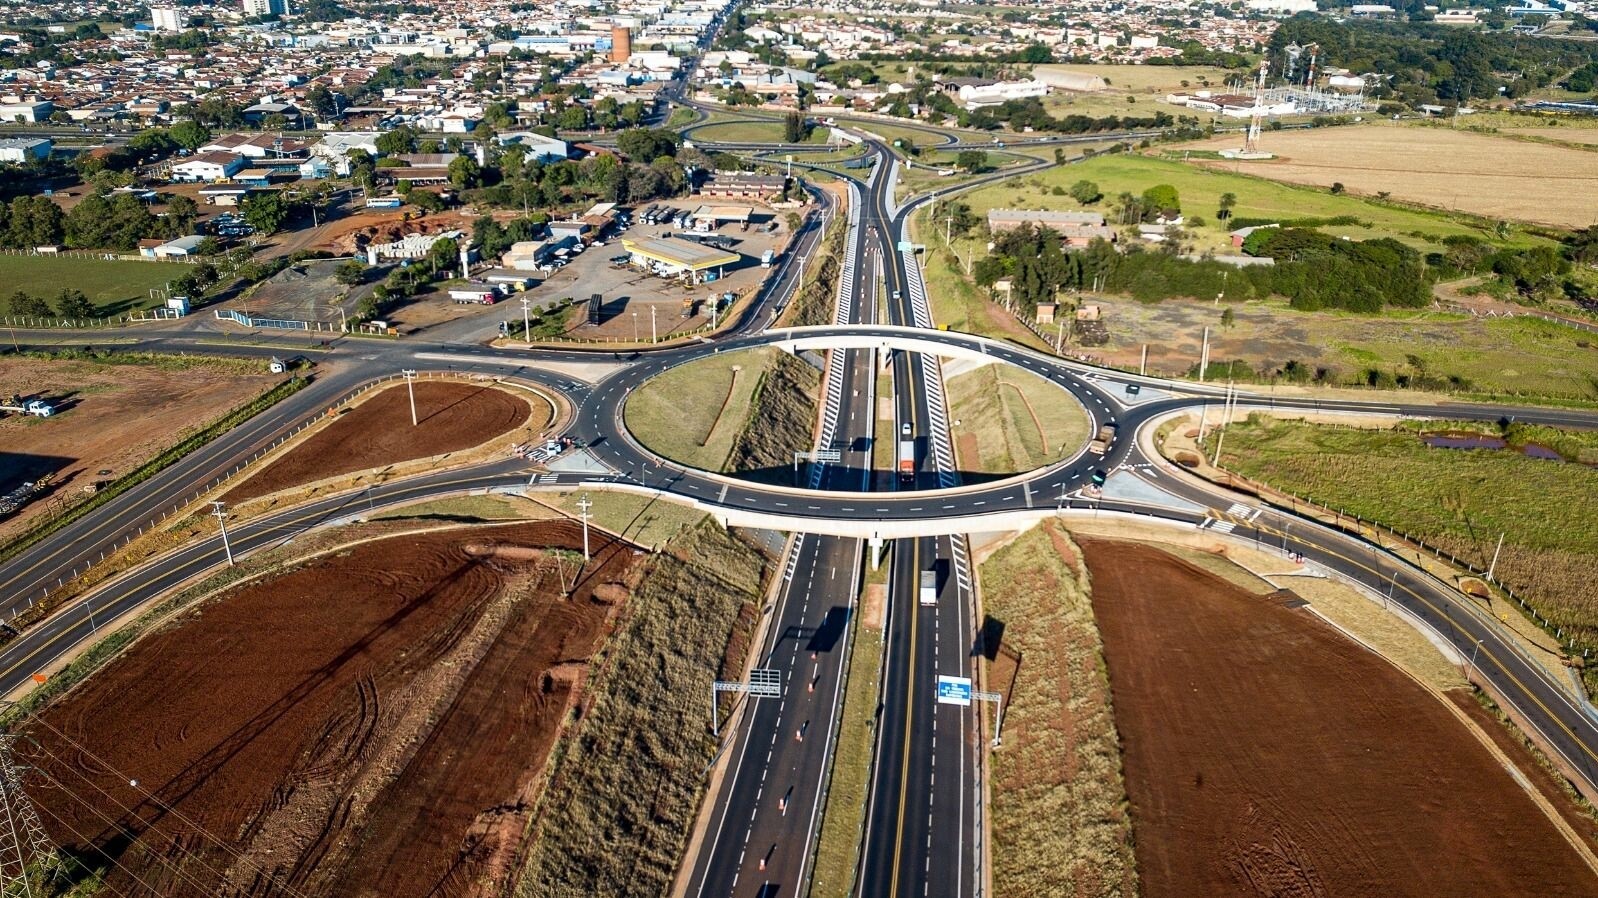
110,417
1483,174
451,416
391,742
1265,754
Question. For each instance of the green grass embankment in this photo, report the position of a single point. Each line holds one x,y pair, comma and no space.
1058,809
781,421
1455,499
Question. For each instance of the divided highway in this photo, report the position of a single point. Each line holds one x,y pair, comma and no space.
924,819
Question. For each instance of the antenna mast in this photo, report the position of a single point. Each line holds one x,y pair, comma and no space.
1252,144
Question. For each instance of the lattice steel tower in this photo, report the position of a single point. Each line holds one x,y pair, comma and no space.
23,840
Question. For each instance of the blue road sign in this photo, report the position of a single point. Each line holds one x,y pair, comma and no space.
954,691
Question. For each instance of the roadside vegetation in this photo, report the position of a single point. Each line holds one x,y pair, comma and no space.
628,780
781,421
1059,812
814,304
1007,421
1459,500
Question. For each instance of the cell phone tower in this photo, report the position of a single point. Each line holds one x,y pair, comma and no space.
25,848
1252,143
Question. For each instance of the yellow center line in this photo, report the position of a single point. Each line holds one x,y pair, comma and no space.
1489,653
909,716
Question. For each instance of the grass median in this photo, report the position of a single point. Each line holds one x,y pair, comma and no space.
1006,421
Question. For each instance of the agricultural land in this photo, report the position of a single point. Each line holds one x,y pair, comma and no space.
1482,174
338,746
1305,774
377,432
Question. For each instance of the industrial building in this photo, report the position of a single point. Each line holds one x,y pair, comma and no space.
670,257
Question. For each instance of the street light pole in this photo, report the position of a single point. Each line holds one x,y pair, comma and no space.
635,327
527,328
583,505
652,336
219,509
410,379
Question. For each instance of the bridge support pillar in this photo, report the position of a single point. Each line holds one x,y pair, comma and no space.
875,545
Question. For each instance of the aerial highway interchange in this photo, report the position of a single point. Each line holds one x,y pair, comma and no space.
922,827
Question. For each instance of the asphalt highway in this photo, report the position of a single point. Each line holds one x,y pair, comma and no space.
922,828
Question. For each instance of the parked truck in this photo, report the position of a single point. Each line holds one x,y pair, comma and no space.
767,257
929,587
1101,443
35,407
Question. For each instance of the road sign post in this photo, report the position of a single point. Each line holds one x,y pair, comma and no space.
998,714
763,682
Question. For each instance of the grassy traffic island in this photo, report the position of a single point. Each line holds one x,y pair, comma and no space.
742,413
1007,421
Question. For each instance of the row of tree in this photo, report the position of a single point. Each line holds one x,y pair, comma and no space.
69,303
1313,270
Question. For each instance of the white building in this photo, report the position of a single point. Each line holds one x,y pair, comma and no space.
1281,7
208,167
266,7
537,146
20,150
14,109
167,18
974,95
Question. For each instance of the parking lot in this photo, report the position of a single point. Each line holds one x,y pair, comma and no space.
636,300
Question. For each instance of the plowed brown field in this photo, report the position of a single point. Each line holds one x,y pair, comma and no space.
450,416
374,722
1266,754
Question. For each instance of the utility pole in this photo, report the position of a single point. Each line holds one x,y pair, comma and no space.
25,849
1143,366
1494,566
219,509
652,336
635,327
583,505
1204,356
527,328
410,380
1226,418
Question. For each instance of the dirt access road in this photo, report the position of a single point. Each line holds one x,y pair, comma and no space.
1267,754
374,722
450,415
109,418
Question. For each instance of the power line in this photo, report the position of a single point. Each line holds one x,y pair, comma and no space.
173,866
151,797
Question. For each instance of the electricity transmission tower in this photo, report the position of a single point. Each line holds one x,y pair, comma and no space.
22,837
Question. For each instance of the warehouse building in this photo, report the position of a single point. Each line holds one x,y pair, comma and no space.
669,257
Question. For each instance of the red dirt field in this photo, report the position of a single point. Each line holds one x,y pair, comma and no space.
1266,754
450,416
374,722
